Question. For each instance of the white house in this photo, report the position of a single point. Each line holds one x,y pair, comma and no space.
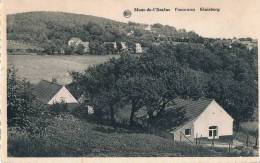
148,28
205,119
130,33
51,93
124,46
75,42
138,48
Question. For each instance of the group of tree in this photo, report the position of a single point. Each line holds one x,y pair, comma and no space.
166,72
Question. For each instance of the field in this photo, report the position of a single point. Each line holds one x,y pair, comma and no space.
35,67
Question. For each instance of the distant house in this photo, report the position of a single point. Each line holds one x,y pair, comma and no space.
75,42
138,48
130,33
124,46
51,93
205,118
148,28
113,44
250,44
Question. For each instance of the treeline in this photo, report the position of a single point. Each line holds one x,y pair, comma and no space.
165,72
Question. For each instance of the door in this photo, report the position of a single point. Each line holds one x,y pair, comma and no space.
213,132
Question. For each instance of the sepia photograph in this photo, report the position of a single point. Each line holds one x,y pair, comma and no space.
84,83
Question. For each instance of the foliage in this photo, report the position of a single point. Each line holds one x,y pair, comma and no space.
250,128
23,110
167,71
19,99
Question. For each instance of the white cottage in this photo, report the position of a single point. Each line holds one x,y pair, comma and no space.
205,118
75,42
123,45
51,93
138,48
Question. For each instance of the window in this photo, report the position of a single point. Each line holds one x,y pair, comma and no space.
187,132
213,132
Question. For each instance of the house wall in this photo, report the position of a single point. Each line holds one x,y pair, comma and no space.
63,95
74,42
179,133
138,48
214,115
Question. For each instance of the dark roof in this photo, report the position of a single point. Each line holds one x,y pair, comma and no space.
192,108
45,90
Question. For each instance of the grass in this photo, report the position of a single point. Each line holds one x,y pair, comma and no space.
70,136
35,67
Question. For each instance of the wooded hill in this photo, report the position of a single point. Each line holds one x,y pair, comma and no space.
54,29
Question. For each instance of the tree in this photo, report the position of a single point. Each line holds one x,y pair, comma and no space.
69,50
80,49
49,48
23,110
119,47
19,99
96,48
250,128
99,84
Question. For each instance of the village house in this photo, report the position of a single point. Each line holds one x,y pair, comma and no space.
51,93
130,33
75,42
148,28
249,43
123,45
138,48
205,119
111,43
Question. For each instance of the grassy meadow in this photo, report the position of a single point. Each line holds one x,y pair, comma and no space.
36,67
68,135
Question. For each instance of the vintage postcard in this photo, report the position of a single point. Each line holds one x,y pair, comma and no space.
133,81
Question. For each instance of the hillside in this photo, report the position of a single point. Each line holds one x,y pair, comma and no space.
38,26
56,28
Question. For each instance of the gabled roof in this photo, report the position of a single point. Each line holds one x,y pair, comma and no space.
192,108
45,90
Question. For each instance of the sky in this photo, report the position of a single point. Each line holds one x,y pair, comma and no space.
237,18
